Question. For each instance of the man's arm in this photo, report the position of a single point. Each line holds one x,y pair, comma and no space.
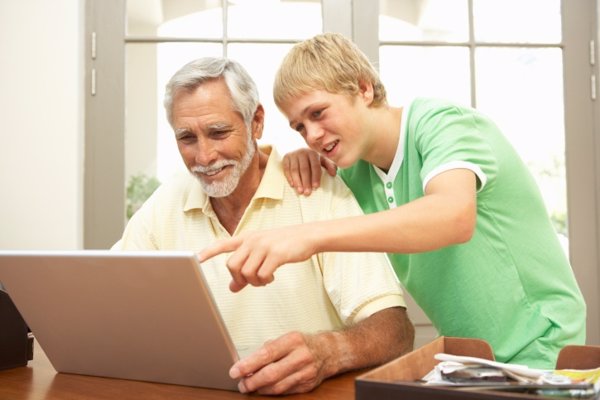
297,363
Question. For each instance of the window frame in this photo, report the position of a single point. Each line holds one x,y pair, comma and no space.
104,180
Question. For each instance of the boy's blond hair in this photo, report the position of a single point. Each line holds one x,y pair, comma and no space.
327,62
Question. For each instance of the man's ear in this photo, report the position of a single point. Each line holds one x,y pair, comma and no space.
258,122
366,91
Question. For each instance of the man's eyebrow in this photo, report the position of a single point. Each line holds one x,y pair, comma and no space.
219,126
179,132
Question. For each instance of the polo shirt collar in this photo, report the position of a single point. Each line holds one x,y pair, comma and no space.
399,156
273,182
272,185
196,198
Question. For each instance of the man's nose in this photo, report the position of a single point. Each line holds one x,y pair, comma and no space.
205,154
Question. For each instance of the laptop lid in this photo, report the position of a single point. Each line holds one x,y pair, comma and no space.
138,315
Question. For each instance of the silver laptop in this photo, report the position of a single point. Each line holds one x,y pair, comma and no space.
145,316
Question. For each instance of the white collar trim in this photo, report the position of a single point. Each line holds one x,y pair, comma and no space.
399,156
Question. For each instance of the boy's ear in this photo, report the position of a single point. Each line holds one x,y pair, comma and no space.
366,91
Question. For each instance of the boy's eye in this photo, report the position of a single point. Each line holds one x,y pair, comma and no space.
316,114
300,129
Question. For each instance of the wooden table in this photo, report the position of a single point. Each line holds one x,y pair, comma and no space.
39,380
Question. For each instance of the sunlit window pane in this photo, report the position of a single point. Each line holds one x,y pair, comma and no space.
273,19
175,18
140,109
517,21
525,97
423,20
411,71
261,62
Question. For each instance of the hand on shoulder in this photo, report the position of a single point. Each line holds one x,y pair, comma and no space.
302,169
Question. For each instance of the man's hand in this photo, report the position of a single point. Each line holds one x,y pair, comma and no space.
292,363
302,169
298,363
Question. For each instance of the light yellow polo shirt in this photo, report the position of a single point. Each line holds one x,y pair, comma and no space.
327,292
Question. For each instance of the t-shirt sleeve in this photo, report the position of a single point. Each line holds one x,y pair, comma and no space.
448,137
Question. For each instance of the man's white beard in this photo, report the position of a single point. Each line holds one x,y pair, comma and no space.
227,185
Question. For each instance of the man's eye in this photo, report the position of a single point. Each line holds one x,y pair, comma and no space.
187,139
219,134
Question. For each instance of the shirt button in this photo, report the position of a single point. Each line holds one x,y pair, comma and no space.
388,185
390,199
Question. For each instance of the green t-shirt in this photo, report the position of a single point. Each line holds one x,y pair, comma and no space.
511,284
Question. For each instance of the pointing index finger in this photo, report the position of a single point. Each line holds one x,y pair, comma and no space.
219,247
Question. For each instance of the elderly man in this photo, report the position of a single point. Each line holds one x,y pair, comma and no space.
332,313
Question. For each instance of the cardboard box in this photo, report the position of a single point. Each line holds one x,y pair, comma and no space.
399,378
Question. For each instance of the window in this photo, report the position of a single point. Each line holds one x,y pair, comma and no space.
256,33
511,58
529,64
430,48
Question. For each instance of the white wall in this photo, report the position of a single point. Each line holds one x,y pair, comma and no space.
41,124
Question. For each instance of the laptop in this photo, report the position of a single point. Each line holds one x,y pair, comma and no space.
140,315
